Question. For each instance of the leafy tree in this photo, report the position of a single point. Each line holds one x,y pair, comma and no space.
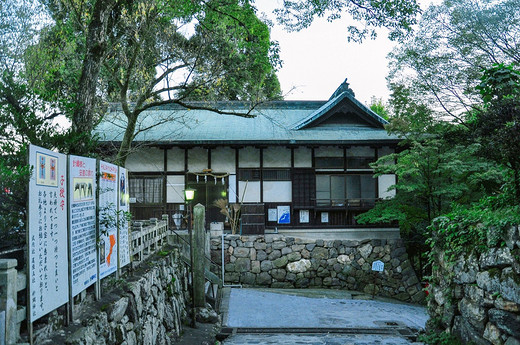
434,170
497,127
24,117
442,63
378,106
143,54
396,15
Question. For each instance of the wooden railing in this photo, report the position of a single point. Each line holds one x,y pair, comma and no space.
147,237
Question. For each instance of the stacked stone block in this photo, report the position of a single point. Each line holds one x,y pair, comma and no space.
478,297
287,262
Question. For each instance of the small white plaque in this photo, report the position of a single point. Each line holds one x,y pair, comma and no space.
378,266
272,215
304,216
324,217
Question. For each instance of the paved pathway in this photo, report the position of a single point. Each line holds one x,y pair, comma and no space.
270,316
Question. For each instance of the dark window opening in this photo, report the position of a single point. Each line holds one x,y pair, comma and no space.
146,189
249,174
277,174
345,190
329,162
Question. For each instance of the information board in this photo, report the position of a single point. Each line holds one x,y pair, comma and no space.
47,232
124,208
82,222
108,201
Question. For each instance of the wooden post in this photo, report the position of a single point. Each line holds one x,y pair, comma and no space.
199,259
8,298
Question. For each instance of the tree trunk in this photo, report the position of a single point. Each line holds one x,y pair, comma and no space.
128,137
82,120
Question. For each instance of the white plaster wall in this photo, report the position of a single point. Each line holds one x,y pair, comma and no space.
277,191
384,182
175,159
197,159
277,157
223,160
360,151
249,157
302,157
252,192
175,189
146,159
328,152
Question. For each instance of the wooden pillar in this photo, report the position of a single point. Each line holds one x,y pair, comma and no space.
8,298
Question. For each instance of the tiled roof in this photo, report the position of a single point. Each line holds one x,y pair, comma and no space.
278,122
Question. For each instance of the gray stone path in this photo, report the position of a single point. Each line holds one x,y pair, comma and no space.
287,311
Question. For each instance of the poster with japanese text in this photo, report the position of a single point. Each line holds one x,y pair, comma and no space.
82,222
124,208
47,232
108,215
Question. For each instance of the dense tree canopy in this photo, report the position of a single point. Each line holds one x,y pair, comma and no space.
443,61
396,15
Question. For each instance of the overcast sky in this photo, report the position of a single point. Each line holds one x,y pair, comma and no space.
316,60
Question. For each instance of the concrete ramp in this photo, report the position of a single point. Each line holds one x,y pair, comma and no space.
318,317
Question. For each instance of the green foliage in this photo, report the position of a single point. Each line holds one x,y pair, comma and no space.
496,127
396,15
455,40
434,171
441,338
378,106
476,227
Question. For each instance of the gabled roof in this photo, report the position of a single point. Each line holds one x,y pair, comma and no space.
340,120
343,94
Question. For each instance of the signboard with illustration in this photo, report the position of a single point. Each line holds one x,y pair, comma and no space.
82,222
108,215
47,232
284,214
124,208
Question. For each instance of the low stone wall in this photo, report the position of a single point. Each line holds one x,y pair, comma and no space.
478,298
287,262
147,309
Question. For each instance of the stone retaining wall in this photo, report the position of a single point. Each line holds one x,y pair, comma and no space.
287,262
146,309
478,298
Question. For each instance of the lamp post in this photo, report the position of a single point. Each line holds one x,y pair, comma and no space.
189,195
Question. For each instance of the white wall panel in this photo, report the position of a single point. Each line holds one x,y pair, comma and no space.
384,182
175,189
328,152
252,192
277,191
302,157
146,159
175,159
197,159
223,160
249,157
277,157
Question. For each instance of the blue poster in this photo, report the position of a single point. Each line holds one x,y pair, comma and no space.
284,215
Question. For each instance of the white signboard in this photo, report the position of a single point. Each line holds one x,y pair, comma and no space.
108,201
378,266
272,215
284,214
47,232
304,216
82,222
124,208
324,217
